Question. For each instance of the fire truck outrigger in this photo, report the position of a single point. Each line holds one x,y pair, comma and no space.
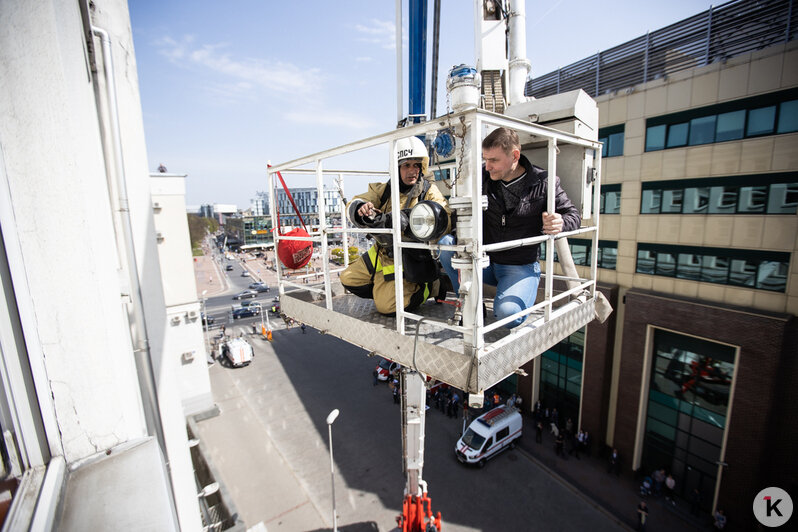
455,344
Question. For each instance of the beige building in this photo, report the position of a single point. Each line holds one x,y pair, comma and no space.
695,372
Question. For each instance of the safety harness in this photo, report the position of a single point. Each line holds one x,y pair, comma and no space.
372,257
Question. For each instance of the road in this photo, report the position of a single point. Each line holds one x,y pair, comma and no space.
282,400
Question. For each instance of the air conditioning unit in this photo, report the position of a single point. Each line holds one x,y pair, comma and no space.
159,236
156,206
192,315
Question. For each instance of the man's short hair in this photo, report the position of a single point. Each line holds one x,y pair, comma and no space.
503,138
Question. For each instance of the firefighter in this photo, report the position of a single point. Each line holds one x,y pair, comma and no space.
372,275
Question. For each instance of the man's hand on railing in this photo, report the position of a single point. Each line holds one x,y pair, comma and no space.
552,223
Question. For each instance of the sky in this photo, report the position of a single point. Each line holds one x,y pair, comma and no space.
227,86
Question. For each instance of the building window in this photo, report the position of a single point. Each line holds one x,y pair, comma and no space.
561,377
580,252
610,200
612,140
762,270
752,194
686,415
775,113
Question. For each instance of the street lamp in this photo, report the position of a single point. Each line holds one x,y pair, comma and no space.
330,419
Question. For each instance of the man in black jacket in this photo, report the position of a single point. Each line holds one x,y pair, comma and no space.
516,191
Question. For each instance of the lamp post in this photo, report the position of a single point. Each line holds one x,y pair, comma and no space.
330,419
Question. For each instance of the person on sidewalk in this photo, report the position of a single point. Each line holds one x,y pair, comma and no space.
576,443
586,443
695,502
455,405
670,484
615,463
720,519
559,445
395,391
642,515
659,481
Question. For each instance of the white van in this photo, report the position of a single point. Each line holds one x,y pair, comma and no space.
488,435
237,351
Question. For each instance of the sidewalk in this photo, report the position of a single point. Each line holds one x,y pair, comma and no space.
616,495
208,276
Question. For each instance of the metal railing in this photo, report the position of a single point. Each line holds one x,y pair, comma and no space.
715,35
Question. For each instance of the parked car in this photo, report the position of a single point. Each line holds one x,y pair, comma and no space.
384,369
246,312
245,294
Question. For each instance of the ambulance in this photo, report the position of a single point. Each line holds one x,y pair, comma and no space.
488,435
237,351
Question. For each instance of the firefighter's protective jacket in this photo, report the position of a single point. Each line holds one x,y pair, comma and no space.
373,274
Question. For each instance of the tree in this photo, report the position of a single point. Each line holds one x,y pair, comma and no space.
198,227
338,254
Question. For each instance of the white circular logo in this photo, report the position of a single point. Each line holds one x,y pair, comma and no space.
772,507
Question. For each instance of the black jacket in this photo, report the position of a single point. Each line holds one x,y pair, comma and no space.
501,225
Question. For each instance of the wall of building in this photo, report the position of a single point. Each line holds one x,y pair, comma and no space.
68,273
185,340
761,339
53,157
760,324
768,70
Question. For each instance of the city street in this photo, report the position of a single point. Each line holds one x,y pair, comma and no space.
269,446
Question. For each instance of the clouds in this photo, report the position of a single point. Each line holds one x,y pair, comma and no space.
275,77
379,32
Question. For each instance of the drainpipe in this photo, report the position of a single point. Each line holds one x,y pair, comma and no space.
519,65
138,332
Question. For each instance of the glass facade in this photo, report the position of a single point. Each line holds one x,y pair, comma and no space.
580,252
775,113
612,140
763,270
774,193
610,199
686,414
561,376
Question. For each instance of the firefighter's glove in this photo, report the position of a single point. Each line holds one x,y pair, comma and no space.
385,220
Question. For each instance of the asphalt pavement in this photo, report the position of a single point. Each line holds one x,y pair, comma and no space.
269,446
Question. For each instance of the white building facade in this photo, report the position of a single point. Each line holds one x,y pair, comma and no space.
90,394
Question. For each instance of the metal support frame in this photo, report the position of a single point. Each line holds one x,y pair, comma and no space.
476,355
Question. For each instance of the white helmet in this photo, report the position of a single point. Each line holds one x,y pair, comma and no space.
412,148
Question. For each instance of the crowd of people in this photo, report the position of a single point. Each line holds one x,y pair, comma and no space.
566,435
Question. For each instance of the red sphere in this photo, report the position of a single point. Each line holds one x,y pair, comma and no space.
295,253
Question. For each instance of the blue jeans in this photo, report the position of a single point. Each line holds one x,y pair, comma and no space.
516,284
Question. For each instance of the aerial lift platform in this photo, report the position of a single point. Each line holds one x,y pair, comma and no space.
455,343
480,352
